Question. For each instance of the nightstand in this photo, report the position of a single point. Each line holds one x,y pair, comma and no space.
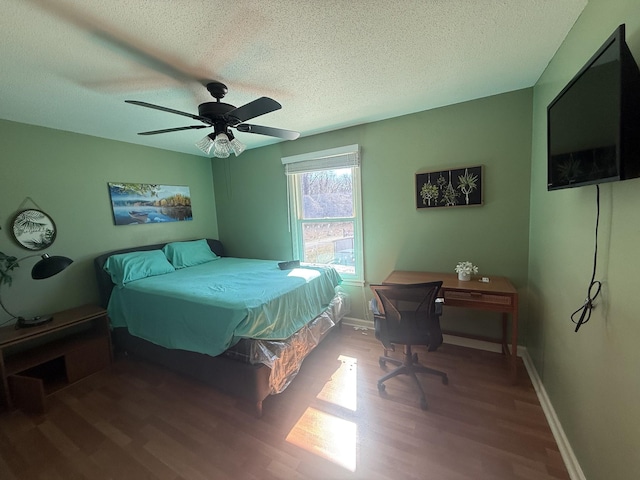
37,361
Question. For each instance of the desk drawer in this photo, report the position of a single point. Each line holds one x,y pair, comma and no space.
473,297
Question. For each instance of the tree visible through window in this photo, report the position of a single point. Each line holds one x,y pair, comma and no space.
325,214
328,218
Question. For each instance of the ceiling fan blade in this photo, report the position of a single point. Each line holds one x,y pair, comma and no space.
177,129
124,42
270,131
170,110
253,109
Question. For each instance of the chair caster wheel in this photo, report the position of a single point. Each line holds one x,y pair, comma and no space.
445,380
382,363
381,387
423,404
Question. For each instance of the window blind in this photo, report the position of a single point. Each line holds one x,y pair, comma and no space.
341,157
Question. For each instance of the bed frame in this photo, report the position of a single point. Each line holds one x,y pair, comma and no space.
242,380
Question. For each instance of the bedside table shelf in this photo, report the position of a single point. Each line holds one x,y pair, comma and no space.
35,362
58,348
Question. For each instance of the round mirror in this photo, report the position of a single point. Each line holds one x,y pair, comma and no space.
33,229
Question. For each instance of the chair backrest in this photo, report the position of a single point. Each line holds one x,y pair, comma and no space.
408,314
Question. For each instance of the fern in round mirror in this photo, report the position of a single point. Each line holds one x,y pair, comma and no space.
33,229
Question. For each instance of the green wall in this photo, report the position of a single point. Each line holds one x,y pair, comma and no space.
591,377
66,175
495,132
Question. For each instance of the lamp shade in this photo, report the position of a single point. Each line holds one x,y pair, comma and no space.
236,145
221,146
206,144
49,266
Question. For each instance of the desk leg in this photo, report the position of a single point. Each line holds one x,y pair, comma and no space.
505,339
514,346
511,353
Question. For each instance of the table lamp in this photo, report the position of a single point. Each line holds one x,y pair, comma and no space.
48,266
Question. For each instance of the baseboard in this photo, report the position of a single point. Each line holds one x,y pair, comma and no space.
472,343
569,458
357,323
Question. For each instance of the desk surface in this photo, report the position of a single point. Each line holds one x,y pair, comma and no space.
61,320
450,282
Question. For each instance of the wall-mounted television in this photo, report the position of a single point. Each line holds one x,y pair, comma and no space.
593,125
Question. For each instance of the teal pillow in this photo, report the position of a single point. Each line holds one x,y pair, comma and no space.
187,254
127,267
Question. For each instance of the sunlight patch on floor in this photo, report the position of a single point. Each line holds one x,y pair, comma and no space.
341,390
325,434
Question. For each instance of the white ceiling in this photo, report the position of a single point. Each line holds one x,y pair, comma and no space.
70,64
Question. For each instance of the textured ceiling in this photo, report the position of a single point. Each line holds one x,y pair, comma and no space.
70,64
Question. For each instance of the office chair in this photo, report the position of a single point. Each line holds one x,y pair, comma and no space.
408,315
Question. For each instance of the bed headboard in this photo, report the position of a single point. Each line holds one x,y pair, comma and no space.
105,285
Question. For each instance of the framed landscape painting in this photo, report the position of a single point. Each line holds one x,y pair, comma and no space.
449,188
140,203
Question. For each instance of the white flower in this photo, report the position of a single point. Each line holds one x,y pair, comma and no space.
466,268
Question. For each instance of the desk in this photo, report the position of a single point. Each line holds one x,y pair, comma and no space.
497,295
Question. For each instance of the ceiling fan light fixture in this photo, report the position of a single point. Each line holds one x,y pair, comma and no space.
221,146
206,144
236,145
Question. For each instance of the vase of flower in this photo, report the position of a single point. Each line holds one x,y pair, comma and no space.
464,271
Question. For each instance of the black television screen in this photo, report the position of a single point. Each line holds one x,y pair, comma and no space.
593,125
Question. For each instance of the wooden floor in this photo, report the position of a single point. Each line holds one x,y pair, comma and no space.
139,421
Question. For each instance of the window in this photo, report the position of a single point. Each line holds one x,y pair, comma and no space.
325,209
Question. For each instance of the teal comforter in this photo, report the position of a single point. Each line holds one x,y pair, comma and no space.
208,308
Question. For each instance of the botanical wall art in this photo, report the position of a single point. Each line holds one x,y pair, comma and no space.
449,188
138,203
33,229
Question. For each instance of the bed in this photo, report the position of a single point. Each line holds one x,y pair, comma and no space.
243,326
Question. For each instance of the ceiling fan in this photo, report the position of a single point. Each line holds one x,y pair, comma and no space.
223,117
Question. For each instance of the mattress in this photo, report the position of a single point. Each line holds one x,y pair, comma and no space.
209,308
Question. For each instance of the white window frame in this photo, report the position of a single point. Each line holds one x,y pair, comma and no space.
334,158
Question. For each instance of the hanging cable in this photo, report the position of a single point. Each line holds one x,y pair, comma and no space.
594,286
13,317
